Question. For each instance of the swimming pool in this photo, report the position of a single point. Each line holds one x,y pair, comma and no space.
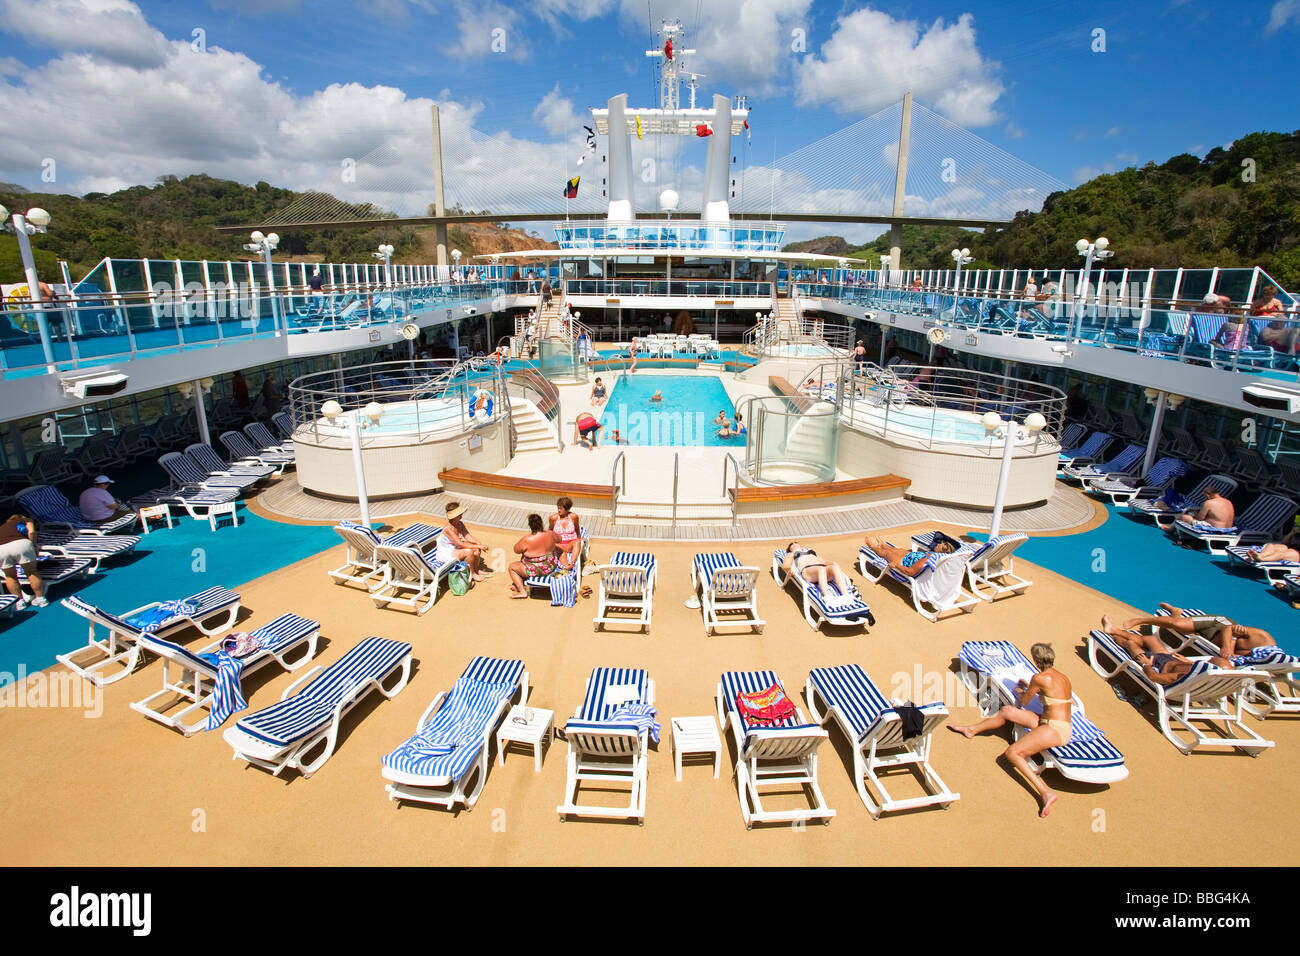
928,423
684,416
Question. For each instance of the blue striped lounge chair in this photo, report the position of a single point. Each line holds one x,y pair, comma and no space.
98,548
874,731
843,609
48,505
54,570
726,588
1072,434
937,589
1205,695
7,604
266,443
1240,556
991,669
607,748
1082,469
992,568
121,647
240,447
409,577
197,501
215,472
1256,525
449,749
1123,490
362,564
284,735
627,585
1091,449
1157,511
781,755
563,588
185,473
284,425
199,676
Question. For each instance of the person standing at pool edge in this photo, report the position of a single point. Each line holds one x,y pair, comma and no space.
586,428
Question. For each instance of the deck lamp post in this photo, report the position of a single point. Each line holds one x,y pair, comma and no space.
265,244
1090,251
996,427
960,257
385,252
332,410
455,256
36,220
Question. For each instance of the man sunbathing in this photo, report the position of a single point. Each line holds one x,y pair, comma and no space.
902,560
1236,642
1288,549
1216,511
814,570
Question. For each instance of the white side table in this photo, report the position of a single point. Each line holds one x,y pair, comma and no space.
696,735
528,726
219,511
154,511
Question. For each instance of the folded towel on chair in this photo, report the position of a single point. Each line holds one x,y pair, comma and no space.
768,706
642,716
154,618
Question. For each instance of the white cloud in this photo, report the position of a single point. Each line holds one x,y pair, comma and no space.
1014,132
256,8
556,114
1085,173
112,29
1113,132
9,66
871,60
744,45
1282,13
1128,159
488,28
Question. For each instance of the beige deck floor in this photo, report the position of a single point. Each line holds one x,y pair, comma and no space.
123,790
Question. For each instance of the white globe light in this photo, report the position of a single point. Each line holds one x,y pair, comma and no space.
965,252
1082,245
455,253
1102,242
4,213
1035,422
668,200
956,253
374,411
331,409
991,421
256,235
38,217
273,239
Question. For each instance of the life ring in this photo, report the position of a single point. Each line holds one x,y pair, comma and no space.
485,394
23,320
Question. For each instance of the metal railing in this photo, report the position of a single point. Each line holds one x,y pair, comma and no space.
734,491
685,288
676,463
621,459
671,235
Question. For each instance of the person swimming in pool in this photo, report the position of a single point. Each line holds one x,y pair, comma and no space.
732,430
598,395
815,569
902,560
617,439
1052,729
657,396
722,421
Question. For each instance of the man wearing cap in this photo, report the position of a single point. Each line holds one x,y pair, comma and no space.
98,505
1215,303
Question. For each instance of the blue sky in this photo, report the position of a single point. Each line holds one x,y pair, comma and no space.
116,92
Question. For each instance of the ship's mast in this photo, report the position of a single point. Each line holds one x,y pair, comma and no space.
671,36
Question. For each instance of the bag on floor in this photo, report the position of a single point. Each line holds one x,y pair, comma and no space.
458,578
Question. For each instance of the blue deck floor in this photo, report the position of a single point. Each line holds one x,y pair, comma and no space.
167,565
1138,564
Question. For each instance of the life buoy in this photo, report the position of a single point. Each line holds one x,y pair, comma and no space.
482,393
23,320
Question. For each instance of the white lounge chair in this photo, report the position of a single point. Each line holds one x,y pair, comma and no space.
283,735
55,570
841,609
726,587
121,647
1256,525
1157,511
605,750
1274,571
48,505
450,747
992,567
206,457
563,588
97,548
1206,694
363,565
1083,470
1121,491
991,670
239,446
1092,447
627,585
185,470
936,589
782,755
408,570
874,731
198,678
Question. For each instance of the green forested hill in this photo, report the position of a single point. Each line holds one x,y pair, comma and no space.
1237,206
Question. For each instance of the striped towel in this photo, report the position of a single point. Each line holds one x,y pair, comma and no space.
155,618
564,590
641,716
463,724
227,695
1205,528
1268,654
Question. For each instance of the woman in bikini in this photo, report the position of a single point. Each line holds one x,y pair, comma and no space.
907,562
565,525
815,570
538,556
1053,729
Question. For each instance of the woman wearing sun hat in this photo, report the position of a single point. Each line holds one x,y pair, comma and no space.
457,544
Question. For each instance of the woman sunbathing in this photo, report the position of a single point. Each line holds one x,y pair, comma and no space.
539,556
902,560
815,570
1288,549
1052,729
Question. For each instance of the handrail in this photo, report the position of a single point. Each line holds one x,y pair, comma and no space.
676,458
614,484
735,490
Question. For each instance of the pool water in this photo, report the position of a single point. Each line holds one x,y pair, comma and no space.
684,417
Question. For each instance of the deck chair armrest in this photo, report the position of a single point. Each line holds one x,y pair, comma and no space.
429,711
650,691
721,707
301,680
